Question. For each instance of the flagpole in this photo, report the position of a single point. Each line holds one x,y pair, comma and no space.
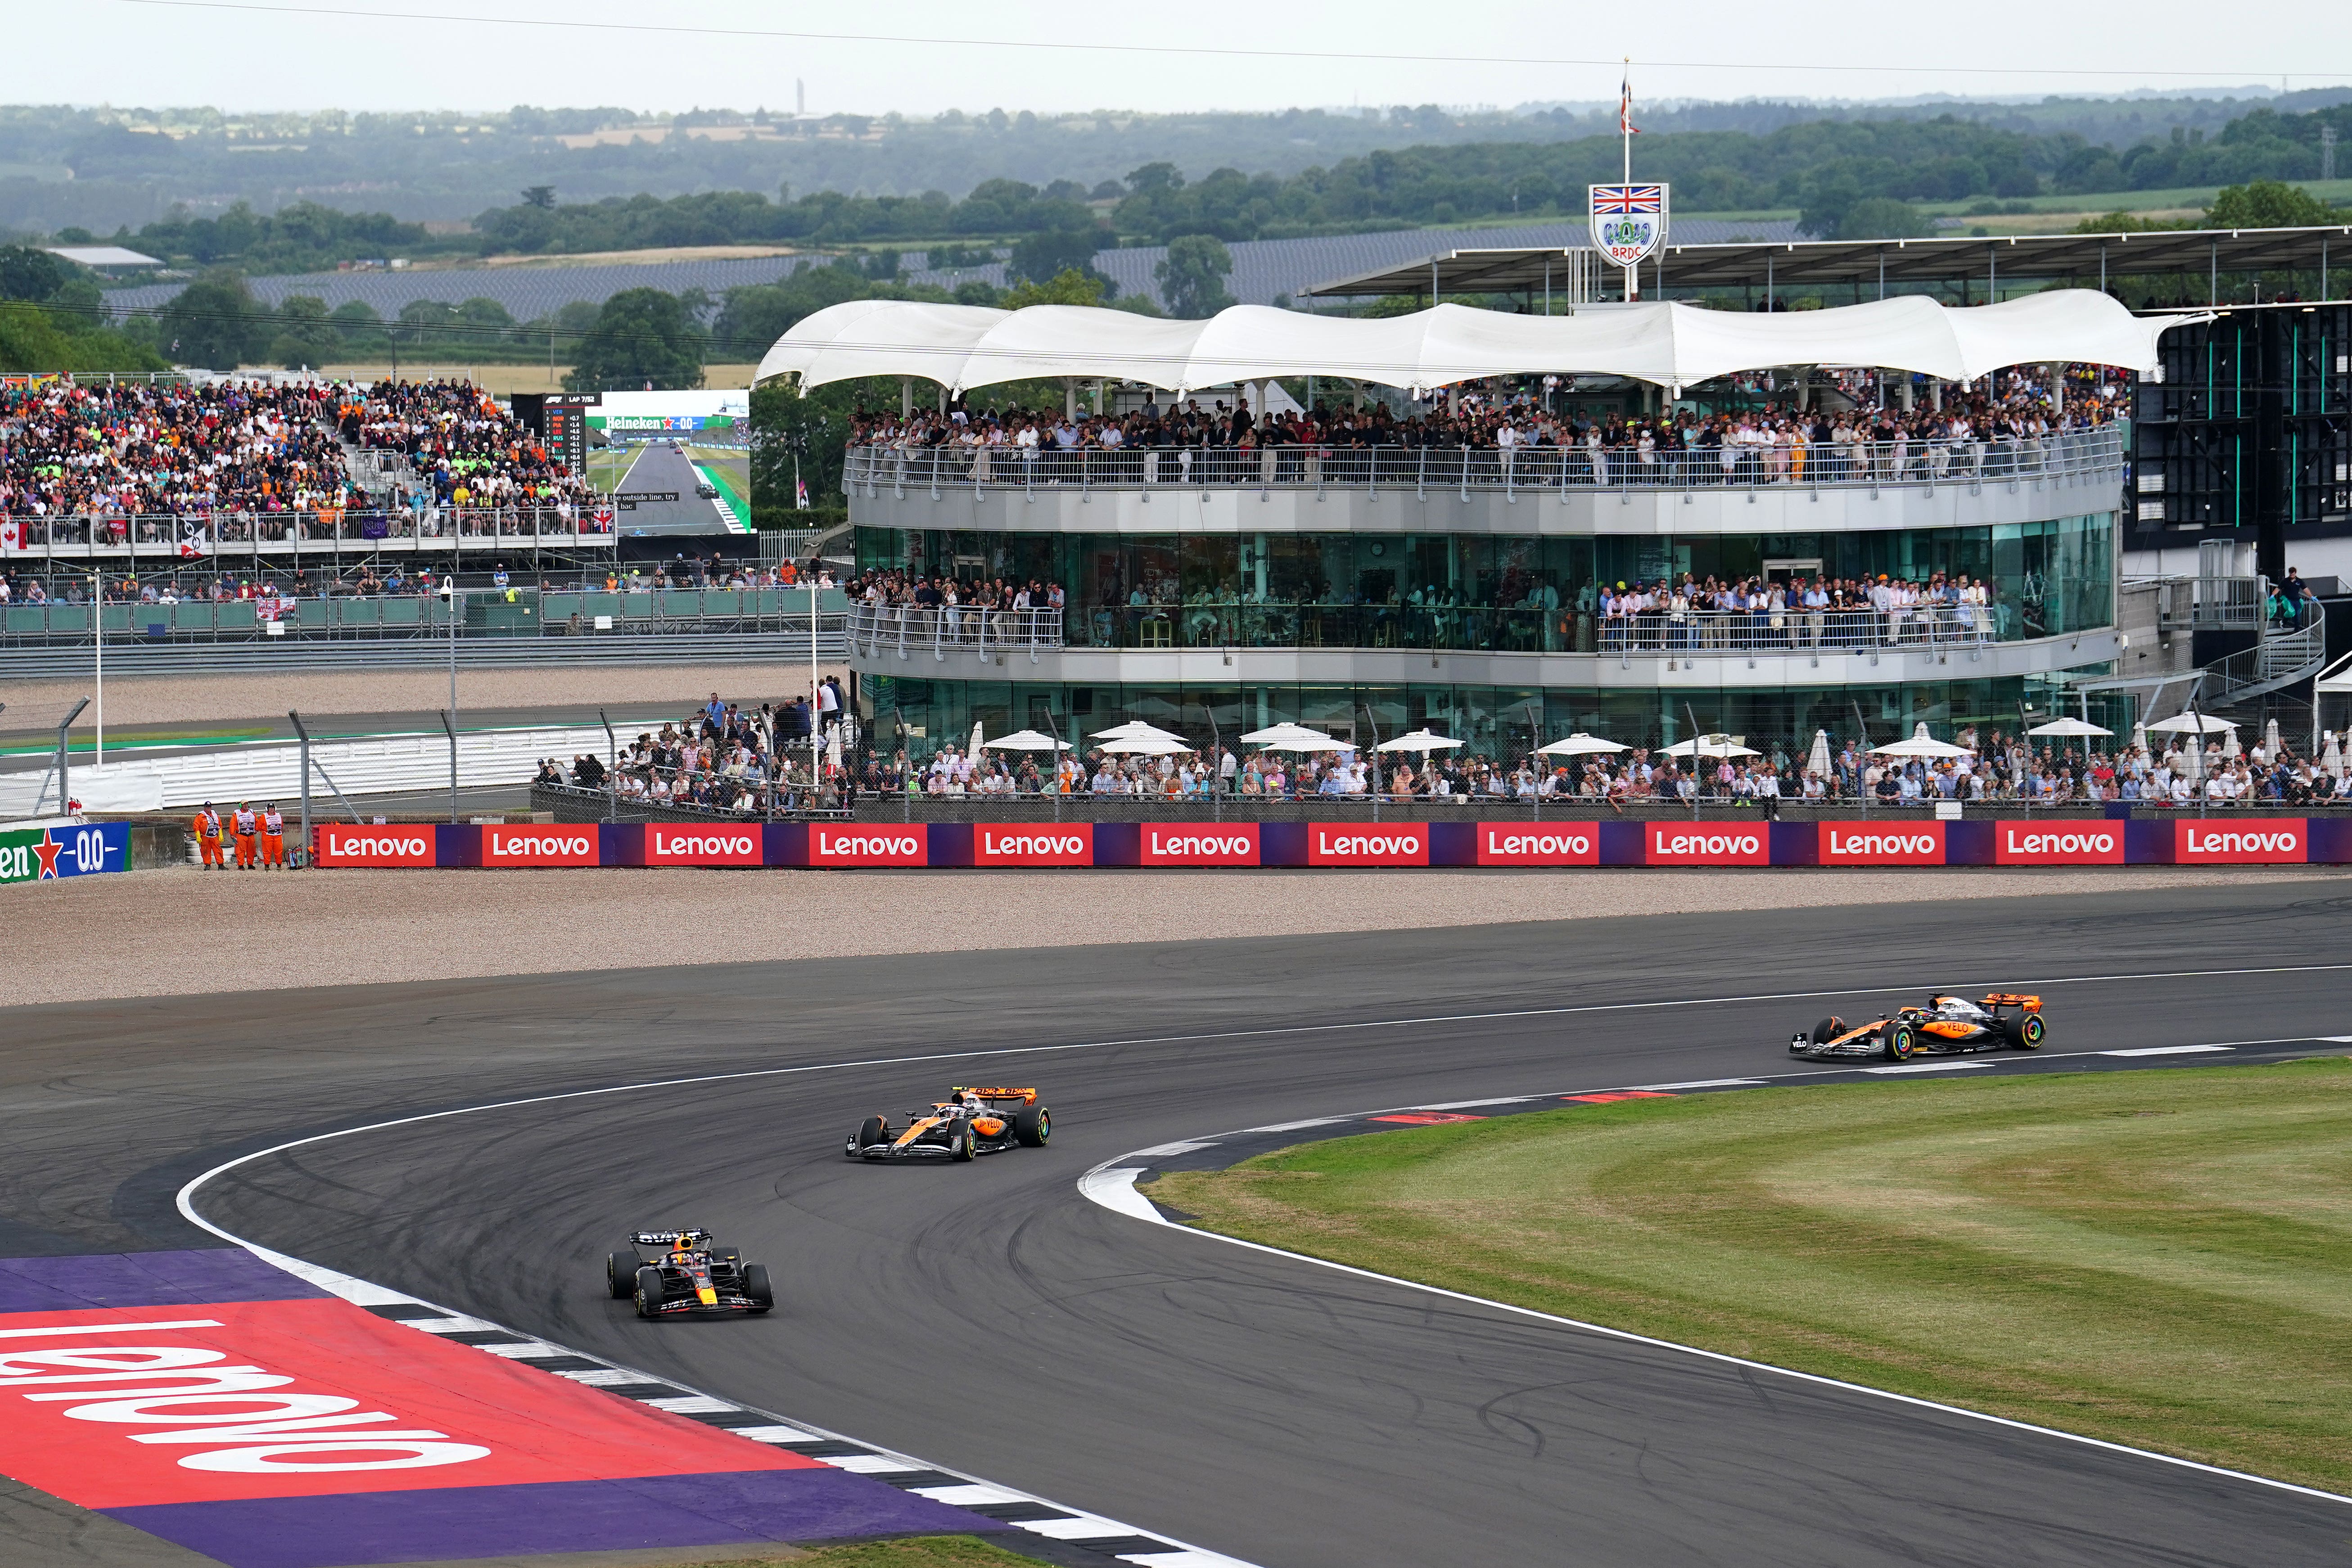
1625,118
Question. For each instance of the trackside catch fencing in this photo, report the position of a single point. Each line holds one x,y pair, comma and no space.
2015,841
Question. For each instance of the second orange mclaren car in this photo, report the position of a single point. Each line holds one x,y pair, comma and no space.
1945,1025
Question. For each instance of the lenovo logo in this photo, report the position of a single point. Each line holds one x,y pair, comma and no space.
1696,846
1234,846
908,846
1919,845
666,846
2240,843
540,846
1071,845
1538,847
1402,845
2032,844
375,847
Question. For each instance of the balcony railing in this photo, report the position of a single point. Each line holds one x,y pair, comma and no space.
1532,470
196,538
906,630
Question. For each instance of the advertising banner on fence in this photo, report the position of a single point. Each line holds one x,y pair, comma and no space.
531,845
1373,844
1706,844
1195,844
1538,844
905,845
2058,843
67,849
2205,841
1034,844
1881,844
407,843
674,843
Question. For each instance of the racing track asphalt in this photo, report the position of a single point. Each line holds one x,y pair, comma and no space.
656,470
989,1319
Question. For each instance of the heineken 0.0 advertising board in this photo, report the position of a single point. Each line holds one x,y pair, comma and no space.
67,849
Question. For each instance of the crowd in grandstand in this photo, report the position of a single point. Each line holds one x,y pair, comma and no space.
26,585
2001,425
239,460
728,758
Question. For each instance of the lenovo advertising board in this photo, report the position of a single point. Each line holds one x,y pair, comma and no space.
2212,841
407,843
1034,844
695,844
1367,844
527,844
1881,844
2061,843
1706,844
1538,844
1200,844
906,844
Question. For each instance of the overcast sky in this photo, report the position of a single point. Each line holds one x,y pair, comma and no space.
329,56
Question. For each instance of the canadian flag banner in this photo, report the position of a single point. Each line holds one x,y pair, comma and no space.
12,534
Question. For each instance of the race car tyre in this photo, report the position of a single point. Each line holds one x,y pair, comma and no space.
1032,1124
965,1147
2026,1033
761,1294
649,1292
1828,1029
1897,1041
870,1131
727,1254
620,1274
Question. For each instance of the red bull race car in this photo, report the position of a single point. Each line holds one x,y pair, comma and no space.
1946,1025
968,1123
687,1274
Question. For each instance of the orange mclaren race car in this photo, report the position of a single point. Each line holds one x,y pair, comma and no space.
968,1123
1946,1025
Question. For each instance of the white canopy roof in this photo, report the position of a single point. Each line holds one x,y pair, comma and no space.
1670,343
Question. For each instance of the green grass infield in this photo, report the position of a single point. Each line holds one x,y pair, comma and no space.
2162,1259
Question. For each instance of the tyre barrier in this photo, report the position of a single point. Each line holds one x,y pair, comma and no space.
2186,841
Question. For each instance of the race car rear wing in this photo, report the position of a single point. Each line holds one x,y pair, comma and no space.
2013,999
669,1238
1026,1096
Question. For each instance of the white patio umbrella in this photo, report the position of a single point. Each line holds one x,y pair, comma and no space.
2271,742
2068,727
2139,738
1578,745
2191,723
1136,730
1027,740
2230,747
2331,761
1289,737
1144,746
975,740
1922,744
1420,740
1711,746
1817,762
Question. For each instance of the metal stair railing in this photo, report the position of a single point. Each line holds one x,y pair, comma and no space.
2279,660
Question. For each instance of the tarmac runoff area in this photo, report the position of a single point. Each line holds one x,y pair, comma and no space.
187,933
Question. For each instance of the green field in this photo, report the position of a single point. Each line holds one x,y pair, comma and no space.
2162,1259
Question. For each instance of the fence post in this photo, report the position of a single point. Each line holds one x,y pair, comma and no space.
303,731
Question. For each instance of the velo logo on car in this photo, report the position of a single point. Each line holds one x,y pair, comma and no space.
2268,841
668,845
1402,844
1225,844
1869,844
340,844
1060,844
1504,845
2057,844
536,846
1666,844
909,845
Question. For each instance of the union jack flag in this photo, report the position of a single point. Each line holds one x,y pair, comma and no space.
1625,126
1629,198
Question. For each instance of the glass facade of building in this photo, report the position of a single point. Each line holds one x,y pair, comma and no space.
1477,592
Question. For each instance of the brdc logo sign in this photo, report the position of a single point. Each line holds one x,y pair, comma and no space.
1872,843
395,845
1060,844
538,846
1511,845
1401,844
908,845
1225,844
